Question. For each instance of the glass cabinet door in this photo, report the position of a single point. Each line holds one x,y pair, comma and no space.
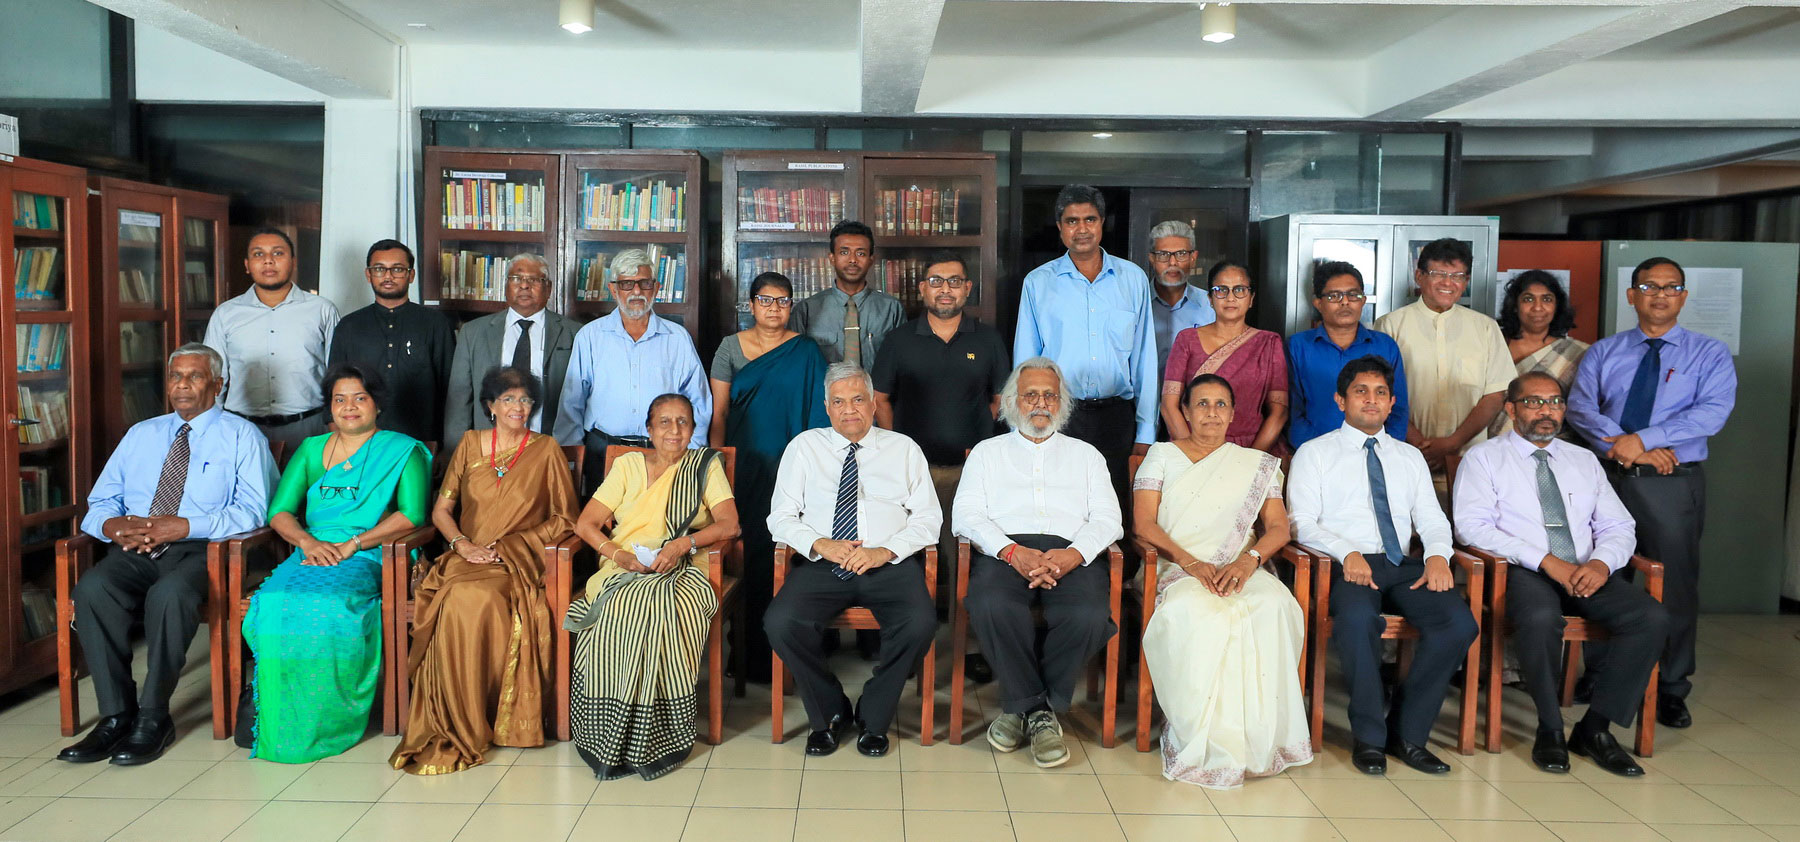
140,259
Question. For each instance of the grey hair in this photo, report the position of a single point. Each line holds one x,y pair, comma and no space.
1172,228
848,371
629,262
196,349
1009,395
529,257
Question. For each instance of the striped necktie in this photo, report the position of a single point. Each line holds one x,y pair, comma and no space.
852,334
843,520
1556,518
172,483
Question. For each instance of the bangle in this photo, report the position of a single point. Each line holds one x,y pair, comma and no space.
1007,553
358,540
457,538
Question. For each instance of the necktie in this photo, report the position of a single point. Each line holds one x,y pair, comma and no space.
843,521
852,334
522,352
1556,519
1384,516
169,487
1642,398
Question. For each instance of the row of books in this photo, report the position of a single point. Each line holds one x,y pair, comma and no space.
918,211
595,276
472,275
143,398
36,272
139,233
634,207
482,204
49,408
137,287
808,274
196,233
40,347
800,209
196,283
40,612
31,210
140,342
39,490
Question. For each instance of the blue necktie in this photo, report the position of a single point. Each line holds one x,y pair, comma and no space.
1641,400
843,521
1384,516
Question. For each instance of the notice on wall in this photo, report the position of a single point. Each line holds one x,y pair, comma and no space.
9,136
1715,304
147,220
1501,279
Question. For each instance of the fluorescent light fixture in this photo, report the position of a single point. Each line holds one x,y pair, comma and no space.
576,16
1218,22
1102,135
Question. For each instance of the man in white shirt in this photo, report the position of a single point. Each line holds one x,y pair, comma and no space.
1038,508
1358,494
857,502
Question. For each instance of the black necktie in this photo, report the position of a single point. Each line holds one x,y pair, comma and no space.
522,351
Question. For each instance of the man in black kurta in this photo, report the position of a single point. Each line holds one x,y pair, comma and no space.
407,343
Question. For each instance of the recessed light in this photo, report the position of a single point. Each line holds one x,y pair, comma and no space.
576,16
1218,22
1102,135
418,26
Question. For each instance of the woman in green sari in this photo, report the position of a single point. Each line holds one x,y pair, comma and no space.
315,625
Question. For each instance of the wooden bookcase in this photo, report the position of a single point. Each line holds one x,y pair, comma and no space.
481,209
640,198
159,258
46,448
921,204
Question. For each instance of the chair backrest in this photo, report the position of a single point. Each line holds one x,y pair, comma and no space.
278,450
574,454
614,451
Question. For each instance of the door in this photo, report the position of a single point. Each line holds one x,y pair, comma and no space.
1409,239
1219,216
1368,247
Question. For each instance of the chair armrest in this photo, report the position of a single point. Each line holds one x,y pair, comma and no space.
234,551
1295,555
716,554
1653,573
964,560
396,556
1476,570
784,555
73,555
1495,571
931,566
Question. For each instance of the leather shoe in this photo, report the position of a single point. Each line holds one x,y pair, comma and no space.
1368,759
871,744
1551,751
1599,746
1673,712
101,742
821,743
150,737
1418,757
976,665
1584,689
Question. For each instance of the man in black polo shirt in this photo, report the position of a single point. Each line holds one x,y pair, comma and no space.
937,379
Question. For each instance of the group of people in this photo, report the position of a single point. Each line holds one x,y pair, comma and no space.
858,440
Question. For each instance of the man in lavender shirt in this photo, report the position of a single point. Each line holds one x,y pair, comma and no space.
1647,400
1545,505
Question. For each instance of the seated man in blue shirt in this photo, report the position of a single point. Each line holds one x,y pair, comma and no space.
175,482
1316,356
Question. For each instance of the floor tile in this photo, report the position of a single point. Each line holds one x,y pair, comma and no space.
1567,801
14,809
1266,797
1462,800
1485,831
252,781
469,786
388,822
1387,830
1611,832
152,780
1060,827
749,788
841,825
1026,793
79,819
1668,804
544,785
199,745
553,754
711,824
1282,829
636,823
1755,804
1782,769
189,821
957,826
1365,799
1710,833
1125,759
1155,796
1163,828
29,740
340,782
848,759
521,821
299,821
952,791
850,790
748,752
972,756
374,748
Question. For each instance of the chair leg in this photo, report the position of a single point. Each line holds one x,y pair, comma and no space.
216,674
1571,663
928,692
1316,690
67,689
1646,729
1146,695
741,651
715,680
1109,706
777,698
1465,727
1496,645
563,650
959,647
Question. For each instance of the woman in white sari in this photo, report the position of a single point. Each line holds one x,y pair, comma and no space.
1224,644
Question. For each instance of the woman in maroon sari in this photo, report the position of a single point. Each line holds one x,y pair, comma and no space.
1251,360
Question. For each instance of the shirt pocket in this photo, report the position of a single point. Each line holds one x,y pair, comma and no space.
1118,331
208,486
1676,391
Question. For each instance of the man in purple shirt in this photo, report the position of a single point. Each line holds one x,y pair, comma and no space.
1647,400
1545,505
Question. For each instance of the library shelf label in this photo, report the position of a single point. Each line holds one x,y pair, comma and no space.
472,174
148,220
815,165
768,226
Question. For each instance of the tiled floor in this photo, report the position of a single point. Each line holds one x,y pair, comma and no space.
1734,776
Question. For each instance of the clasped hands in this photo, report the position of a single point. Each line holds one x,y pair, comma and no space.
317,553
852,555
144,534
1580,580
1437,573
1220,579
668,558
1042,568
1628,450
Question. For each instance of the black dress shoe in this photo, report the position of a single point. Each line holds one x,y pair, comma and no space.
150,737
871,744
1368,759
1672,711
977,667
1418,757
1600,747
101,742
821,743
1584,689
1551,751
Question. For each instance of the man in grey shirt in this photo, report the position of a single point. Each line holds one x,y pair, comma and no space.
849,319
274,339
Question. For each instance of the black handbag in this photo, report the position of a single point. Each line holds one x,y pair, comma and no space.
245,732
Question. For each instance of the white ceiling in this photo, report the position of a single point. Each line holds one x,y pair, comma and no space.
799,25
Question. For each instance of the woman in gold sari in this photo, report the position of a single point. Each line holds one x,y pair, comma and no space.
1224,644
641,624
480,656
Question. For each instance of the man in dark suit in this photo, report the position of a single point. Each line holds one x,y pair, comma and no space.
524,335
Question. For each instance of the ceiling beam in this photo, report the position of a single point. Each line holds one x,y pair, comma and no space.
1620,155
896,46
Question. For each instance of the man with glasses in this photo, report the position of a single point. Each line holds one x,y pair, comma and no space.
621,362
849,318
408,343
1316,356
1177,304
1647,400
524,336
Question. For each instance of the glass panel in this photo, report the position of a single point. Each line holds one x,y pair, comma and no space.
140,369
1212,228
1364,254
1316,172
927,206
900,272
593,271
38,277
907,140
619,200
804,264
472,270
1405,273
197,269
1412,174
44,478
529,135
797,201
493,200
55,76
140,259
1108,157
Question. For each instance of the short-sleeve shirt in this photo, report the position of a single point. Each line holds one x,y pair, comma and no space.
941,391
728,360
1452,358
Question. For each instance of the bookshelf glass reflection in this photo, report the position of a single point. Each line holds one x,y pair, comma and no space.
474,270
38,258
493,200
197,258
593,271
140,370
801,200
140,259
898,271
926,206
632,200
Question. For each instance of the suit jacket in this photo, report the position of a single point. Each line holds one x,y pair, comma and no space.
478,349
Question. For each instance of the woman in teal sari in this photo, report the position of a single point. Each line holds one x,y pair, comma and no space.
315,625
768,386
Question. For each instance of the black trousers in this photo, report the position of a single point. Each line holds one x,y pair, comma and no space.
811,597
593,464
1446,629
167,592
1112,429
1670,513
1636,623
1076,615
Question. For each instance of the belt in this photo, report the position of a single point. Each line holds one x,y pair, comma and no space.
1100,403
278,420
1682,470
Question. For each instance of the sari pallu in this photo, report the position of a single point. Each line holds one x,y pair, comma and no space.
1558,359
1253,362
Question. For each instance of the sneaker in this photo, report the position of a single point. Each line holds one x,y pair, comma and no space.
1047,748
1008,732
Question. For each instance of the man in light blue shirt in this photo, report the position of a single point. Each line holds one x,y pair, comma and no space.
1177,304
175,482
623,361
1090,312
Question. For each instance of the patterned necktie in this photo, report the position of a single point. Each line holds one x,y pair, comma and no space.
1384,516
522,352
843,521
852,334
1556,519
172,483
1641,400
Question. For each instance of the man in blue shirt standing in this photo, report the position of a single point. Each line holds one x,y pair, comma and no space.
1316,356
175,482
1090,312
1177,304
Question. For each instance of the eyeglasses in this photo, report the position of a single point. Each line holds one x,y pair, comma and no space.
1539,403
627,286
1040,398
527,279
509,400
1458,277
390,271
953,282
1653,289
1166,256
332,492
1230,292
784,301
1338,296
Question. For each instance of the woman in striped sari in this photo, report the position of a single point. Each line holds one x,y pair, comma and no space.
644,618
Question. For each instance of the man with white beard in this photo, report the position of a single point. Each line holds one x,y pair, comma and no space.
622,361
1038,508
1175,304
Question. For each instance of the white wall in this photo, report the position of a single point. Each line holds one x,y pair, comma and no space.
173,69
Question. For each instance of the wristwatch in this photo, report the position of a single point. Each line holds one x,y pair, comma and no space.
1255,555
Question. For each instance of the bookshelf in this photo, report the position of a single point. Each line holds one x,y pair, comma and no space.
481,209
648,199
47,440
779,208
924,203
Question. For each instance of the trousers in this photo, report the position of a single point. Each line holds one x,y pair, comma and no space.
1076,614
167,593
1446,630
1636,623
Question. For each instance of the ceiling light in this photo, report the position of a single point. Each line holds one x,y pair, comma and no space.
577,16
1102,135
418,26
1218,22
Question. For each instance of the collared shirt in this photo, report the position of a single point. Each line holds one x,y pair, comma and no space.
229,479
509,339
612,379
1454,358
897,507
1497,508
821,316
1099,331
274,356
1328,496
1314,362
1193,310
942,392
1012,485
410,346
1696,395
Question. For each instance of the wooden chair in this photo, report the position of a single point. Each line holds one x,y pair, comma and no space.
857,617
1576,631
